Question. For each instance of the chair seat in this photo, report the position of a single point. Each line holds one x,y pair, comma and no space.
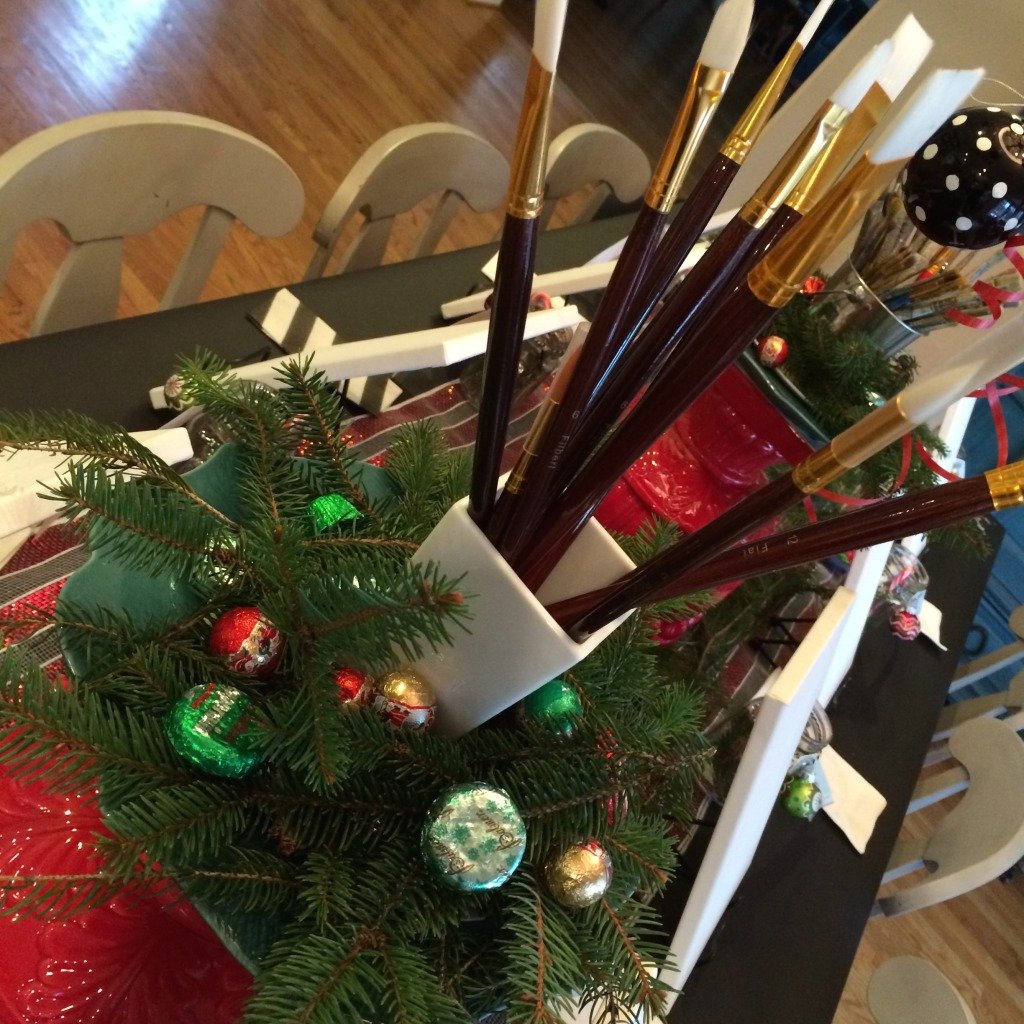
909,990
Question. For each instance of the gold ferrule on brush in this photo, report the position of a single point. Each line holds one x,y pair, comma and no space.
778,277
870,435
749,127
529,162
791,169
530,446
703,94
1006,485
841,149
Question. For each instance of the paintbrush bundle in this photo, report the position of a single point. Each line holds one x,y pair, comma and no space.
923,283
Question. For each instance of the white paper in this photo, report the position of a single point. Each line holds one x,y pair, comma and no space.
856,804
26,473
931,624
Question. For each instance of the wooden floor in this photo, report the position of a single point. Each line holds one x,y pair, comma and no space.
319,80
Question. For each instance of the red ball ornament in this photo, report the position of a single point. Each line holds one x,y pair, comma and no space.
772,351
813,285
905,625
354,687
247,641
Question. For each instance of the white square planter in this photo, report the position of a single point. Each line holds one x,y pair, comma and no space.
513,646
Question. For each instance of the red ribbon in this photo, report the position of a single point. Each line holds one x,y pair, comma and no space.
993,297
935,467
901,479
999,422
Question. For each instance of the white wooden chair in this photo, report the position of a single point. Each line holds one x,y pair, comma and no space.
398,172
909,990
982,836
984,665
107,176
593,154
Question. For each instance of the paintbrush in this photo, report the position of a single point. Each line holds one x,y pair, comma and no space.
835,134
514,276
982,360
884,521
710,77
769,286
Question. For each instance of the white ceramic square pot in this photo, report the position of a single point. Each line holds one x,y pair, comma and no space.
513,646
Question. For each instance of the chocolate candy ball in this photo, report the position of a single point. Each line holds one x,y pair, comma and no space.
580,875
216,728
405,700
473,838
247,641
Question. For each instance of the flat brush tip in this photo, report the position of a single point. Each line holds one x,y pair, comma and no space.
813,22
852,89
548,24
933,101
911,46
727,35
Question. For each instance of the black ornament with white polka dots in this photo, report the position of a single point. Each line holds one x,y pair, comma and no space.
965,188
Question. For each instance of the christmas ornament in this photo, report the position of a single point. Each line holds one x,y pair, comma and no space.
303,445
772,351
354,687
207,434
813,285
556,705
801,797
331,509
216,728
173,392
580,875
247,641
473,838
904,624
405,699
965,187
223,564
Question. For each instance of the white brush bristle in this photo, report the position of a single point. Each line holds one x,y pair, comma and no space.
934,100
911,46
851,90
816,18
727,35
548,23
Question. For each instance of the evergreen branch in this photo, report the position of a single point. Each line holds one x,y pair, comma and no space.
59,896
331,544
72,435
649,996
309,391
640,860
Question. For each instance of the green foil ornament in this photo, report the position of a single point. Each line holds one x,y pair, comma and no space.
801,797
555,705
330,509
473,838
216,728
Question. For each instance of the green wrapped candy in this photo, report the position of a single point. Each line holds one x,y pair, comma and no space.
473,838
216,728
330,509
556,705
801,797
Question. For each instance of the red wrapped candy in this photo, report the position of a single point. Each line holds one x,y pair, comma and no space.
247,641
354,687
905,624
772,351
